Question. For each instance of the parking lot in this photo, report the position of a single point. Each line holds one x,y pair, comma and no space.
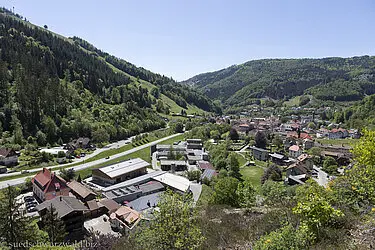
28,204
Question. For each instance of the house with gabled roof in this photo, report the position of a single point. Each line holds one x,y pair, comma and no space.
69,209
295,151
47,185
8,157
124,218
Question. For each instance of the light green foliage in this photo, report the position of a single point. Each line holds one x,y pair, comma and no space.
361,178
194,175
285,238
226,191
314,207
315,151
174,225
246,194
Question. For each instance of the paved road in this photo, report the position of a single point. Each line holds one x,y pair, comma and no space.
20,180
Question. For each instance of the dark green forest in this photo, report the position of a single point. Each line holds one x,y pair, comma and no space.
327,79
55,89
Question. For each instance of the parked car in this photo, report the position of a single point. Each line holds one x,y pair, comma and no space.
28,198
25,171
31,209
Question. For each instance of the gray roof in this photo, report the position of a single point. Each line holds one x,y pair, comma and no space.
278,156
151,186
140,204
124,167
208,173
259,149
64,205
170,162
135,181
168,147
194,157
121,192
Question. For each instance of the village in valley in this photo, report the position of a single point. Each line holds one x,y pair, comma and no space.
112,198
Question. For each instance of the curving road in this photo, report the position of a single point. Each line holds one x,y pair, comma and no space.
21,180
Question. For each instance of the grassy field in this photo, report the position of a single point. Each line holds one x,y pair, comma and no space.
252,173
345,142
241,159
143,154
293,102
205,195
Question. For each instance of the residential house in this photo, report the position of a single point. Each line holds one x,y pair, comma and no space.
124,218
80,191
194,144
119,172
259,153
208,171
69,209
80,143
278,159
307,144
47,185
173,165
297,173
306,160
8,157
295,151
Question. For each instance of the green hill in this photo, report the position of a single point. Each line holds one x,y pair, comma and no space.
327,79
55,88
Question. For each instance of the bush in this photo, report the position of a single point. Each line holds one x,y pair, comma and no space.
285,238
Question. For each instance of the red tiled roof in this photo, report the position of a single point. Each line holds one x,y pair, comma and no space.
43,177
5,151
302,135
49,181
205,165
294,148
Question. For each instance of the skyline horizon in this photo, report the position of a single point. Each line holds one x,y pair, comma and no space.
185,59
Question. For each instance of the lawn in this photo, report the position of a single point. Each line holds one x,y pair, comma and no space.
252,173
345,142
241,159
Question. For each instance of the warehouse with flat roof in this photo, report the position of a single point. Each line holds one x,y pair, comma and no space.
120,172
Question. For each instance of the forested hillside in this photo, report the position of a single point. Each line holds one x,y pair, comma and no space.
53,87
337,79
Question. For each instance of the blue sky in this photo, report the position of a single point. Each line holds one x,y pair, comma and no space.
183,38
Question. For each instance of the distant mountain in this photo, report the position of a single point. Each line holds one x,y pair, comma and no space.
337,79
53,87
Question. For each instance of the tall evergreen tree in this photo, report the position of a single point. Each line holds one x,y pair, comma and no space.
14,226
54,226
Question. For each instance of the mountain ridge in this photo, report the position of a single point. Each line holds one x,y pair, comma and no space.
286,78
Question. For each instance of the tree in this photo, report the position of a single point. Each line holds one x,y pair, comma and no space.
233,166
304,100
100,135
174,225
179,127
277,141
50,129
54,226
14,227
273,172
79,179
155,92
330,165
260,139
233,135
246,194
41,138
194,175
226,191
67,174
99,241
